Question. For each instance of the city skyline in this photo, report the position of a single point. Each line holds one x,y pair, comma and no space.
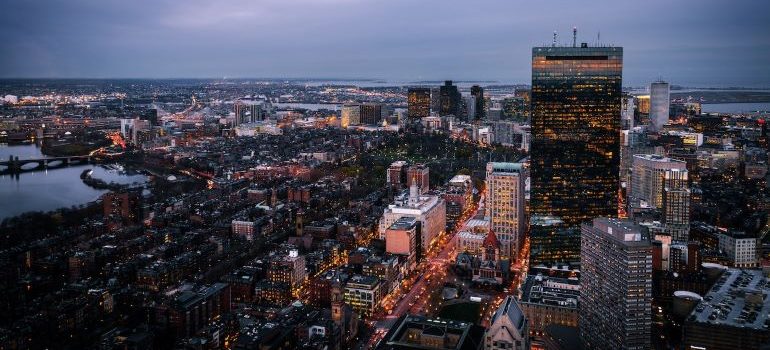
415,175
397,41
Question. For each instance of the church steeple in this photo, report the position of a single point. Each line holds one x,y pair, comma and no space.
491,250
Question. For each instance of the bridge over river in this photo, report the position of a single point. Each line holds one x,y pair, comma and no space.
14,165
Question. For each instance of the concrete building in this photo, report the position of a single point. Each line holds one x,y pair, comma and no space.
403,238
615,285
505,205
740,248
429,210
508,328
350,115
250,111
627,113
550,301
419,332
660,101
363,294
647,179
288,268
371,114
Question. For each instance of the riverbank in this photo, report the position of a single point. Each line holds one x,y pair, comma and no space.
75,148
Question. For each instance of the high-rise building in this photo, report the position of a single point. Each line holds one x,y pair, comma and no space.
478,93
505,205
627,114
418,102
575,141
248,111
449,99
508,328
647,179
371,113
660,100
615,307
350,115
469,102
676,205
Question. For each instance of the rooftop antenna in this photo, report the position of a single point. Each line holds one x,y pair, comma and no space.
598,38
574,36
554,39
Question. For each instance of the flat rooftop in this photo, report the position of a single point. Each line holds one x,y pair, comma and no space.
738,299
404,223
551,291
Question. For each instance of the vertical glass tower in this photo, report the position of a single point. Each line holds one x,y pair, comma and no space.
575,145
418,102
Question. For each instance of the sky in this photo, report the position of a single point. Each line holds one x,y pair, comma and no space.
687,42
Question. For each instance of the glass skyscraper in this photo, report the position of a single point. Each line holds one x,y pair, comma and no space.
575,145
418,102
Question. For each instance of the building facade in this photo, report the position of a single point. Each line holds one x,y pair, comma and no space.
508,328
505,205
660,101
647,179
575,132
615,285
418,103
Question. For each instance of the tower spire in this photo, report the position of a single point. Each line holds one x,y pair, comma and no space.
574,36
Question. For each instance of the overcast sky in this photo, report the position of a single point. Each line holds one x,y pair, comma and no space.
703,42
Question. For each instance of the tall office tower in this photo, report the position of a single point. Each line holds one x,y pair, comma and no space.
647,171
371,113
575,145
478,93
615,307
418,103
676,205
627,114
469,102
247,111
505,205
449,99
419,173
350,115
435,99
659,104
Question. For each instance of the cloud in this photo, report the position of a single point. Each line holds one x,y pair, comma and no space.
397,39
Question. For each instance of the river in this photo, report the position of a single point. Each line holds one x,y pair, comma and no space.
750,107
47,190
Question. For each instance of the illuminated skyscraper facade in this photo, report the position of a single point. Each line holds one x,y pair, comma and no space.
418,102
575,145
505,205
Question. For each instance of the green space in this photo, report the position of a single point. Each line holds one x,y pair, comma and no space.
467,312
